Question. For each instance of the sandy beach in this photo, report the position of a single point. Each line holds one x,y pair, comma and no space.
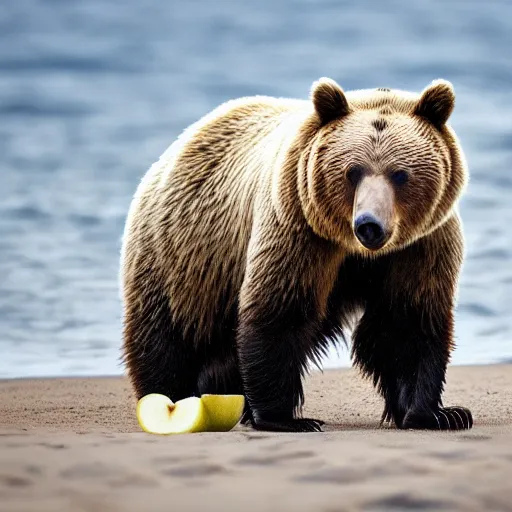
75,445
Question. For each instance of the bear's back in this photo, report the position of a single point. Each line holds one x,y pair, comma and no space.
193,209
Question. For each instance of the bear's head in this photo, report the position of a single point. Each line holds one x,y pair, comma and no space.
379,168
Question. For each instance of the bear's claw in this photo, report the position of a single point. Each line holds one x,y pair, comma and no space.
444,418
295,425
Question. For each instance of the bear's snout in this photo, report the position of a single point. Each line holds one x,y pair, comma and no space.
374,212
370,232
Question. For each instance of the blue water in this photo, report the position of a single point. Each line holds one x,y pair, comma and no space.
92,92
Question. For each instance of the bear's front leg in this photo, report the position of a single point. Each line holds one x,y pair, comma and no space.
273,357
405,336
279,329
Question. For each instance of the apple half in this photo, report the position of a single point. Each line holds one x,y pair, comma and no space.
223,411
157,414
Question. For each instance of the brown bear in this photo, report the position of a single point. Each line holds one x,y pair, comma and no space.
270,224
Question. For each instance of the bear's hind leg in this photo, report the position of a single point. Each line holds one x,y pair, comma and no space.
220,371
158,357
220,376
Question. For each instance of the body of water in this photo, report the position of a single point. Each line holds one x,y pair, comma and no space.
92,92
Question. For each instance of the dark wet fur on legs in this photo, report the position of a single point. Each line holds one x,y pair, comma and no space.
158,357
404,346
274,356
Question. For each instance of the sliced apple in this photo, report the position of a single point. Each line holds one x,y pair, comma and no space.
223,411
157,414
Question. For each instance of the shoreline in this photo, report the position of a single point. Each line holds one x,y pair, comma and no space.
503,362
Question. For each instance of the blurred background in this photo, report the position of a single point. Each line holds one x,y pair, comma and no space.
92,92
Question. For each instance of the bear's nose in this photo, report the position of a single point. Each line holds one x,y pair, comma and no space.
369,231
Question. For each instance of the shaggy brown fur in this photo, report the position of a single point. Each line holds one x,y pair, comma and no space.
271,223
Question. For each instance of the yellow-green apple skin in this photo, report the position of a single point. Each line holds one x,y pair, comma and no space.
223,411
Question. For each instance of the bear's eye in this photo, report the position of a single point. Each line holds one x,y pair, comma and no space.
399,177
354,174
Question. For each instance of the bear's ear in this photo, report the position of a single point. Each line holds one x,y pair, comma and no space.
329,100
436,102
